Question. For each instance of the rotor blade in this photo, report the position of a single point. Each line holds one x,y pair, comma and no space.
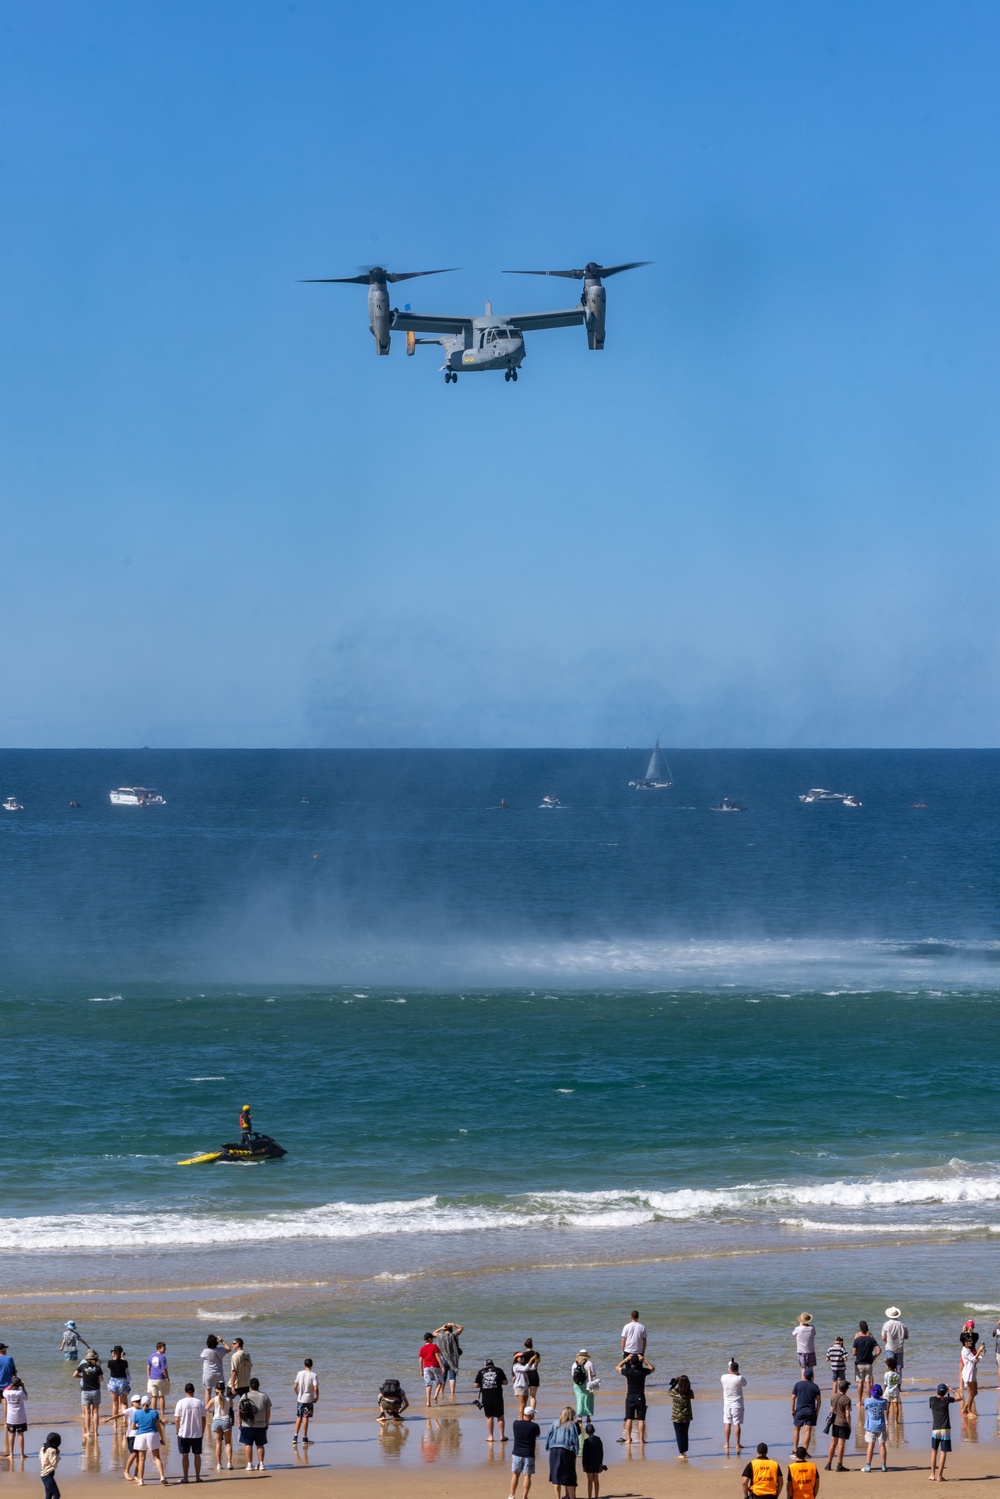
409,275
570,275
326,280
612,270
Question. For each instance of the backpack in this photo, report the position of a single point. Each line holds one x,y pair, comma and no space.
580,1374
391,1389
248,1411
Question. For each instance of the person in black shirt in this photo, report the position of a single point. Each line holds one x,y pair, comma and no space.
635,1370
940,1429
490,1382
526,1432
806,1401
592,1460
866,1351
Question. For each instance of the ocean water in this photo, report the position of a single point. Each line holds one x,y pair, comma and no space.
531,1067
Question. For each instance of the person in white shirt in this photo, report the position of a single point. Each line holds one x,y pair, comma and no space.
970,1377
733,1385
189,1420
805,1344
633,1337
894,1334
306,1387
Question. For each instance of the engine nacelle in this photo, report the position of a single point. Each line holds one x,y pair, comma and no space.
379,317
594,302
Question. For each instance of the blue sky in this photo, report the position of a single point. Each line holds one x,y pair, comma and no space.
765,515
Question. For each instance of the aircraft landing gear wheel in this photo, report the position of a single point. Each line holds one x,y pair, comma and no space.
450,375
513,374
506,374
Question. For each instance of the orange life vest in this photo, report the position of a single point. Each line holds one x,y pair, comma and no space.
244,1119
765,1476
802,1480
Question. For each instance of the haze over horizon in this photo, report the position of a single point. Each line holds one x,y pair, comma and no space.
764,515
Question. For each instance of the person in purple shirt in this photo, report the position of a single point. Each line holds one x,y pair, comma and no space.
158,1378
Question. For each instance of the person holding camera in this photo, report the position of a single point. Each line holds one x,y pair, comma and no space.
635,1370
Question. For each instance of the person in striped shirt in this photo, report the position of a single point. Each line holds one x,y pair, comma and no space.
836,1357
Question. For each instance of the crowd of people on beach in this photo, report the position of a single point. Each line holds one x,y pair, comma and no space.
230,1404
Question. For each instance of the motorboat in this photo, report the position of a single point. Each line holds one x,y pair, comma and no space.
12,805
256,1148
727,806
549,804
137,796
851,801
658,775
818,794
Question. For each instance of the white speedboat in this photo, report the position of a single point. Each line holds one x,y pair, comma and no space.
727,806
658,775
851,801
137,796
817,794
12,805
549,804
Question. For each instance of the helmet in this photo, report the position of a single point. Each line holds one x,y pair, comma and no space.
247,1107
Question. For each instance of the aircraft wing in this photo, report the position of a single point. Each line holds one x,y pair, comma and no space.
425,322
535,320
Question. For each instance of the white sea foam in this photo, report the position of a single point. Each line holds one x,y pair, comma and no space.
865,1206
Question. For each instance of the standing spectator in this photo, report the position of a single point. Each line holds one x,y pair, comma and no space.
220,1410
531,1360
634,1336
805,1344
189,1423
49,1456
892,1390
519,1382
840,1425
996,1348
803,1479
836,1357
635,1370
806,1401
490,1382
875,1409
563,1447
866,1351
762,1476
971,1356
127,1418
894,1334
148,1438
592,1460
158,1378
90,1375
733,1385
585,1382
211,1364
431,1367
306,1387
450,1350
255,1417
940,1429
15,1415
240,1369
681,1413
8,1368
119,1383
522,1455
70,1345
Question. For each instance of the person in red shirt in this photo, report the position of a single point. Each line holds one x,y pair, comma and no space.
432,1368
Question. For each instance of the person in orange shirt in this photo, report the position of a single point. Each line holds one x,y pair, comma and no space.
803,1476
762,1477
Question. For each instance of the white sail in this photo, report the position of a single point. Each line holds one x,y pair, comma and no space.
654,770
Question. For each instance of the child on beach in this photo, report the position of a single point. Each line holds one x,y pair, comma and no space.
940,1430
15,1415
893,1388
836,1357
592,1460
875,1409
49,1457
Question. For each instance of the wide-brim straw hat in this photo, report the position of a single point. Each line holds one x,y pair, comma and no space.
893,1311
805,1318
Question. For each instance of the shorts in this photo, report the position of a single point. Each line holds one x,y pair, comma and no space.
807,1360
940,1441
189,1444
433,1376
732,1415
522,1465
878,1435
119,1387
863,1371
897,1354
15,1429
635,1408
147,1441
90,1397
804,1419
221,1424
304,1408
253,1436
840,1433
838,1372
158,1387
448,1374
130,1443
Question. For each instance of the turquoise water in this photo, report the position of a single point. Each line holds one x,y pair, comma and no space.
543,1064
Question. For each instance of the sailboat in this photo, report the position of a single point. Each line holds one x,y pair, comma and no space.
658,776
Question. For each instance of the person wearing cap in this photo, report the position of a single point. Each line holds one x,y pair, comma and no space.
635,1370
806,1401
490,1382
148,1438
127,1415
940,1429
762,1476
525,1431
431,1366
804,1334
894,1335
875,1408
90,1374
585,1382
49,1456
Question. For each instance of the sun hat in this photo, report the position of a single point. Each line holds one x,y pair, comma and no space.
805,1317
893,1311
583,1353
72,1325
877,1391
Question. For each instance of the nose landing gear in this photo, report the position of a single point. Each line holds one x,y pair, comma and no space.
449,375
510,373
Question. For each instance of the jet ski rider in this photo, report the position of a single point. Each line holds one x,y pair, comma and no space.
246,1125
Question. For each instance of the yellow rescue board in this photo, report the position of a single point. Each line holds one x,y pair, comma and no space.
201,1160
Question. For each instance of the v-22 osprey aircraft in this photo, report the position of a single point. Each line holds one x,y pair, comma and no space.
489,342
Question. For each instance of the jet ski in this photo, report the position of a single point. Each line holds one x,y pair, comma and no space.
257,1148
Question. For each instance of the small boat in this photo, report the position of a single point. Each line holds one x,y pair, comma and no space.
851,801
75,804
137,796
257,1148
12,805
818,794
502,806
549,804
727,806
658,775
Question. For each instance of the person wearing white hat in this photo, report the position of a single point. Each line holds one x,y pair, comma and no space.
585,1382
894,1334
